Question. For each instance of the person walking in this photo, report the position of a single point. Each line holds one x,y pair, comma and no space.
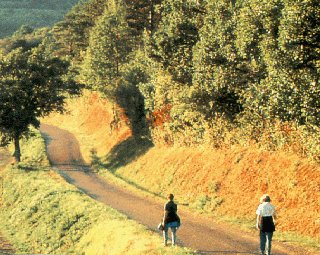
170,220
266,217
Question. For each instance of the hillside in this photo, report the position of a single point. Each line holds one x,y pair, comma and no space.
33,13
220,182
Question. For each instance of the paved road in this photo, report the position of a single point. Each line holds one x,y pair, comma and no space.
196,232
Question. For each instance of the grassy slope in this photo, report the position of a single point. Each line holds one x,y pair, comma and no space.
219,182
41,213
34,13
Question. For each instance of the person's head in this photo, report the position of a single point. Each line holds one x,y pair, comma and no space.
170,197
265,198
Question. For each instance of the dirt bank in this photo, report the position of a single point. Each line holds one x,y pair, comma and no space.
226,181
199,233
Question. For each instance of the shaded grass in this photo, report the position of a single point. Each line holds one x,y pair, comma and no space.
125,152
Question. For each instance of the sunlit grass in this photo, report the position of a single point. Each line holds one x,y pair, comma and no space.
41,213
300,240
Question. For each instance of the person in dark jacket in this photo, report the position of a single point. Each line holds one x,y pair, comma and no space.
170,220
266,216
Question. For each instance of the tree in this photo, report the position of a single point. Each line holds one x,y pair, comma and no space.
32,85
299,34
109,46
72,34
142,15
280,42
299,40
257,33
218,69
23,30
130,96
176,35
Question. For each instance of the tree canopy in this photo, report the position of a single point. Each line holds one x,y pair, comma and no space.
32,84
200,71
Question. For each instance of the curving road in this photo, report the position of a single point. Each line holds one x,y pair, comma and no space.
197,232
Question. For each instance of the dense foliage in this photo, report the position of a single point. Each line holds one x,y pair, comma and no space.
33,83
206,71
231,72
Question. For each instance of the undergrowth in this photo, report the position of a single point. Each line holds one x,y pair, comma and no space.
270,135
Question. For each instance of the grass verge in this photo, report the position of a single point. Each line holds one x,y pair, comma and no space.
41,213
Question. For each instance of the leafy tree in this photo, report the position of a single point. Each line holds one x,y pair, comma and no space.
285,55
129,95
300,33
32,85
257,34
23,30
72,34
109,47
26,38
176,35
218,69
299,37
142,15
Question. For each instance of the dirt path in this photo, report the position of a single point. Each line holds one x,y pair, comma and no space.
199,233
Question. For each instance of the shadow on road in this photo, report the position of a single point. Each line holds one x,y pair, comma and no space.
126,152
200,233
230,252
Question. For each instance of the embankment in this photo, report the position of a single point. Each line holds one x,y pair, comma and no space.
217,181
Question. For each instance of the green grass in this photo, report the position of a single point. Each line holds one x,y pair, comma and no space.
34,13
41,213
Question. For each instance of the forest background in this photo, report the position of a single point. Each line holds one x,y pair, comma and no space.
209,74
32,13
194,72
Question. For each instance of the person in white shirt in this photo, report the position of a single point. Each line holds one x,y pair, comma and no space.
266,216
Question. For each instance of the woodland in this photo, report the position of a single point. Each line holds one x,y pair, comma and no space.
34,13
185,72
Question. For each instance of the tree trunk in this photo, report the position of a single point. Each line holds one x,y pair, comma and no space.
17,152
